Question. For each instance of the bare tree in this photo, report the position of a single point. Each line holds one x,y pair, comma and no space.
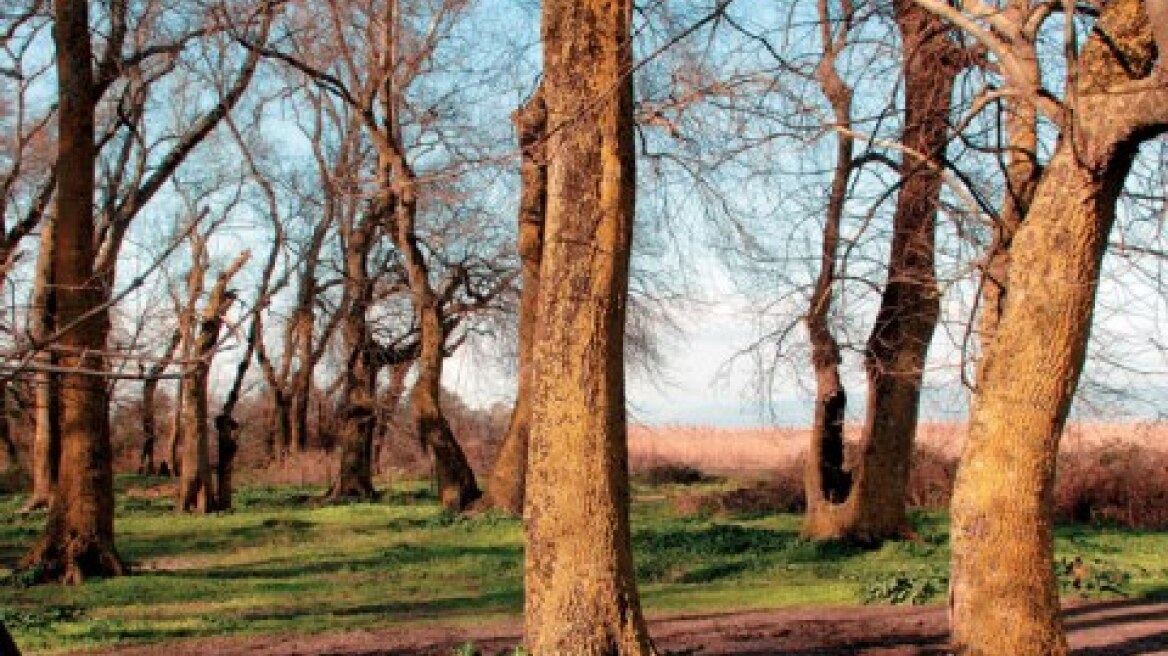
1004,597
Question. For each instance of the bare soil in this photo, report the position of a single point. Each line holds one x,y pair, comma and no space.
1111,628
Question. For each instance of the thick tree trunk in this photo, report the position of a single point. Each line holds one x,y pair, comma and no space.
46,445
1003,594
580,590
79,537
509,477
358,416
895,356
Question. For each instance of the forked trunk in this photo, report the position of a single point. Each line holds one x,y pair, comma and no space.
581,595
79,536
875,504
1003,594
196,489
509,477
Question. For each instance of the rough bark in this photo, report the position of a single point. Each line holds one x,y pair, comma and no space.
196,488
873,508
580,590
46,445
358,416
509,476
79,536
1003,595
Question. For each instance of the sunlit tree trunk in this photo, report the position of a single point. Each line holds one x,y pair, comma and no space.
509,477
1004,597
79,536
581,595
874,507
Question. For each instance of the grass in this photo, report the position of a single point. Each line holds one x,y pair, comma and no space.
282,564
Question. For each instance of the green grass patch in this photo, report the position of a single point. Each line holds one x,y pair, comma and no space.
284,562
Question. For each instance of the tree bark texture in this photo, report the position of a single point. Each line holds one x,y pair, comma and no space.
898,346
79,536
1003,594
581,594
509,476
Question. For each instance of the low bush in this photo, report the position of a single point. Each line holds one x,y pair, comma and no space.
1113,484
672,474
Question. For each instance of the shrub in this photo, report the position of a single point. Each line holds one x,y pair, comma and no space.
782,493
930,481
899,588
672,474
1113,484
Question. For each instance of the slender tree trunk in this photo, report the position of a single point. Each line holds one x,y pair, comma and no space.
196,488
509,477
826,481
46,445
227,446
301,395
581,593
149,413
875,505
79,537
170,466
1003,594
11,453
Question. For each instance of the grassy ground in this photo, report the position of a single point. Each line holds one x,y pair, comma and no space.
281,564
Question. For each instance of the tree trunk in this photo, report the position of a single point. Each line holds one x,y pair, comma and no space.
358,416
874,509
11,453
7,644
228,446
509,477
170,466
1003,594
457,488
46,445
149,414
79,537
196,488
826,481
581,593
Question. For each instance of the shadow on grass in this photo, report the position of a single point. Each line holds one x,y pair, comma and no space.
396,556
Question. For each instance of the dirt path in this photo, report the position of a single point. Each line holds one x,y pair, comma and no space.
1116,628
